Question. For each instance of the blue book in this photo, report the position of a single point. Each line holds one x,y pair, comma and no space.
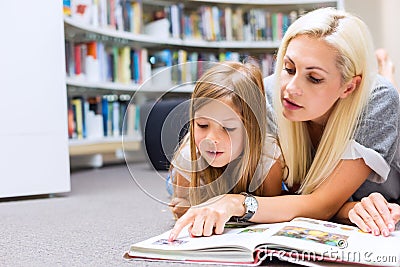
104,109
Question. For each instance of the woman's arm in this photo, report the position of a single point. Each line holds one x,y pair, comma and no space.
372,214
323,203
180,201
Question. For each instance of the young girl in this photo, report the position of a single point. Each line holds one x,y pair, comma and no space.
227,149
338,132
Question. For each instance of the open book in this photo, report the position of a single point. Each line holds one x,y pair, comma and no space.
302,240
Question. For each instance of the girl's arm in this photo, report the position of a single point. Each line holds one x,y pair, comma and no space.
180,201
323,203
273,182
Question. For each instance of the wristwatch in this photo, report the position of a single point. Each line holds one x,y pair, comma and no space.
251,205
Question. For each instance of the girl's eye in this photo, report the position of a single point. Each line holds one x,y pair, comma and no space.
229,129
289,70
202,125
314,80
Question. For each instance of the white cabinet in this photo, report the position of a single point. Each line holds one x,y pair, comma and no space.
33,140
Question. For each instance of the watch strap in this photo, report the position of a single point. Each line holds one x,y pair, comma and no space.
248,214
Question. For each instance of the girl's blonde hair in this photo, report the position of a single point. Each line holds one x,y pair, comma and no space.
350,38
242,85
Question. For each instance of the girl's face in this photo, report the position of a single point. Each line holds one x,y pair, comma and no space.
218,132
310,80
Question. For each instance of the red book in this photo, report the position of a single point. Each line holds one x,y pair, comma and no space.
78,59
71,123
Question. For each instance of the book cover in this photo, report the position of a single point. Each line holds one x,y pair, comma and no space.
104,113
81,11
228,24
115,118
67,7
77,107
130,120
125,63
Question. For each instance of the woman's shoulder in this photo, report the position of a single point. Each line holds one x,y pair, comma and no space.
384,94
271,116
384,104
379,126
268,85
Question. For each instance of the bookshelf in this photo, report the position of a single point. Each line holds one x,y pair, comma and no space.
144,35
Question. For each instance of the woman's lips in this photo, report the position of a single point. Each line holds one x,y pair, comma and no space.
290,105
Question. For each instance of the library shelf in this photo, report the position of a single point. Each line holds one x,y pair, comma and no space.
103,145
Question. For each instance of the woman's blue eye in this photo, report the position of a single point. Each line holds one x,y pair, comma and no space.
290,71
314,80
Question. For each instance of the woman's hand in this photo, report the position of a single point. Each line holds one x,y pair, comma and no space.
209,217
375,215
179,206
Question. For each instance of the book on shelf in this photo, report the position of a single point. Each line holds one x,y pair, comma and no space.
97,62
67,7
81,11
94,117
79,117
302,240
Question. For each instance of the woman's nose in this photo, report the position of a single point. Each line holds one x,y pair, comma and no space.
293,87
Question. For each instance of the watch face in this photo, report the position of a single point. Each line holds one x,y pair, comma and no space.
251,204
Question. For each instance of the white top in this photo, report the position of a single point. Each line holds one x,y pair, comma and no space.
373,159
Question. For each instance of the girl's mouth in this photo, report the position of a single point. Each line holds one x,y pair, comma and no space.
214,154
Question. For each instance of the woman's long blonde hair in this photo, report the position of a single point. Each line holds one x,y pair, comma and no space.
240,83
350,38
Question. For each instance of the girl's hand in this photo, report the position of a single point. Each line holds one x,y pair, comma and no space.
179,206
375,215
210,217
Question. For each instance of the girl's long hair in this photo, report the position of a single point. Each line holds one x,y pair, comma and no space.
241,84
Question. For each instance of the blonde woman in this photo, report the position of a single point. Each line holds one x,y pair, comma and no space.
227,149
338,132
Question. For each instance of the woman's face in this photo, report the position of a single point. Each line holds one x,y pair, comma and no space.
310,80
218,132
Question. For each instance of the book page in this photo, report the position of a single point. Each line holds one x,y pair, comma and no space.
247,237
235,244
327,240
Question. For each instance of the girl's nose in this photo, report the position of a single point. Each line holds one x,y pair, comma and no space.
212,137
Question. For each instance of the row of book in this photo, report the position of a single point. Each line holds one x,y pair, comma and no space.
206,22
184,66
122,15
94,117
213,23
97,62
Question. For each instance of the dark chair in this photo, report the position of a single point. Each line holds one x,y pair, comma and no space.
163,124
